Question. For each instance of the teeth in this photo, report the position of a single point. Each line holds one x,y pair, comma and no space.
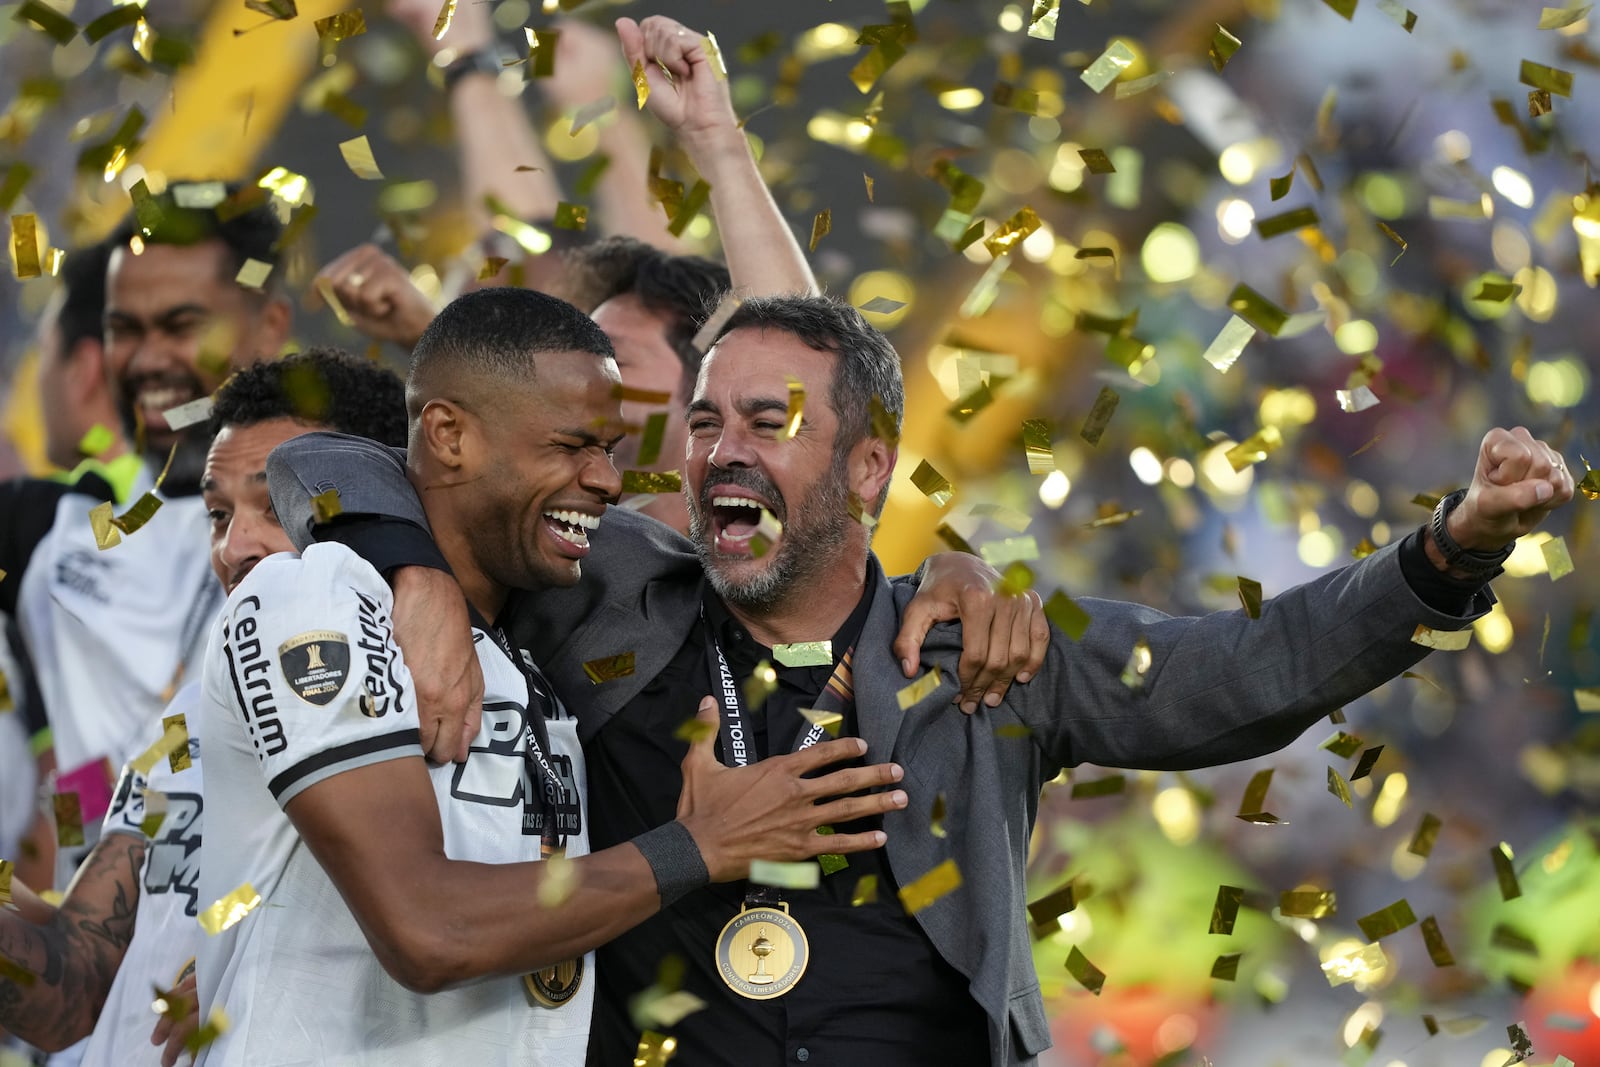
735,502
580,519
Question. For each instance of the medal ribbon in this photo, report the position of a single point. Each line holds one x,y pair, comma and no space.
838,696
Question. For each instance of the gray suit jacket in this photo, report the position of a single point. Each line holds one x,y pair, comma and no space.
1220,688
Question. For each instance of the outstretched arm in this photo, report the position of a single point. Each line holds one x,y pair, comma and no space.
763,256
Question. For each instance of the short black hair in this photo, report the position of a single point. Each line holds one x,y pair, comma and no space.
686,289
242,218
498,332
866,364
325,387
83,295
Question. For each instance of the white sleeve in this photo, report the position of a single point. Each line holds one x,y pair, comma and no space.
315,675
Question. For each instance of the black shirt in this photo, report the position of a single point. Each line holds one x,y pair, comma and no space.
875,993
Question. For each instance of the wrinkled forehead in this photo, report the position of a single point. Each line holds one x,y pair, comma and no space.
754,360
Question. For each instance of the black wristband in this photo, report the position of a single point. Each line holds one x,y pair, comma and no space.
1476,566
675,860
477,61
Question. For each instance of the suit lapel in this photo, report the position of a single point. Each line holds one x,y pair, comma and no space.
877,676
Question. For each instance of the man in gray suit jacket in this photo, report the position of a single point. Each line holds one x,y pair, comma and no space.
940,971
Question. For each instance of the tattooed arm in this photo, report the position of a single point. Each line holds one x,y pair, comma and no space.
55,975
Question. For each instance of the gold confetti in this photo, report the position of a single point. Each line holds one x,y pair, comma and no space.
1556,18
571,217
1105,406
1225,912
785,875
828,720
142,511
1587,699
1504,872
932,484
1521,1044
1427,833
1226,967
655,1049
357,153
1257,310
174,737
1369,759
1012,232
492,265
1307,903
1250,596
1400,13
796,409
1138,664
609,668
47,20
860,512
1110,785
865,892
1126,89
1287,222
1550,79
441,24
1557,560
254,274
1539,103
1036,445
6,870
693,730
1438,951
1096,161
106,534
970,404
885,426
882,305
821,226
1066,615
1088,975
691,206
867,178
1443,640
1496,292
761,684
25,246
909,696
1359,965
652,482
1015,580
641,83
1252,807
1044,914
1042,20
1279,187
341,27
1255,448
14,972
1108,67
714,55
69,819
541,52
1347,8
1342,744
998,554
281,10
1339,788
768,530
937,816
1358,399
804,654
1223,46
325,507
1229,343
872,66
924,891
1386,921
229,910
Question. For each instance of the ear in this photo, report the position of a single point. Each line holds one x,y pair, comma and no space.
446,430
272,327
871,466
86,371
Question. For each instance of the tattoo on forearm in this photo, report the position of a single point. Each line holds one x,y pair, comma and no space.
74,957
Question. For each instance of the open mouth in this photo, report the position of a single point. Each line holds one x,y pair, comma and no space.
155,398
735,520
571,530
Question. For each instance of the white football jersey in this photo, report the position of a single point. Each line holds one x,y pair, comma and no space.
303,681
112,634
166,933
18,782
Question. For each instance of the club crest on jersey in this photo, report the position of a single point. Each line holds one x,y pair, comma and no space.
315,665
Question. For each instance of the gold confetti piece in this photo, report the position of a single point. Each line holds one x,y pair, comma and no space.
768,530
6,869
955,541
441,24
1369,759
1556,18
1287,222
492,265
1042,20
229,909
1250,596
174,737
919,690
1521,1044
970,404
1012,232
106,534
215,1026
998,554
1138,664
932,484
1427,833
1339,788
1438,951
15,972
254,274
1550,79
1307,903
47,20
1279,187
1587,699
1126,89
1225,912
1015,580
1110,785
1430,1024
142,511
655,431
1342,744
691,206
1512,940
281,10
1066,615
69,819
1539,103
1257,310
1226,968
1044,914
25,246
1036,444
860,512
571,217
1096,161
609,668
1443,640
693,730
714,55
885,426
655,1049
872,66
1229,344
341,27
1443,207
155,813
785,875
936,817
1252,807
882,305
1400,13
1557,560
112,21
652,482
1504,872
796,409
1223,46
1359,965
761,684
1108,67
357,153
1088,975
1105,406
1347,8
1497,292
1358,399
641,84
804,654
821,226
635,395
865,892
325,507
828,720
1255,448
1396,238
541,52
924,891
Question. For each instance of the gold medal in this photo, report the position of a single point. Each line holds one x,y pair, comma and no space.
762,952
554,986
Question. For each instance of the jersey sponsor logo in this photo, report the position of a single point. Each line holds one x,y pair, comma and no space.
84,574
381,688
250,671
499,773
172,862
315,665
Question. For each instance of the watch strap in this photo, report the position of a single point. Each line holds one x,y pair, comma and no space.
1480,566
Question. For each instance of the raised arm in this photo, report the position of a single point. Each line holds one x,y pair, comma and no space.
763,256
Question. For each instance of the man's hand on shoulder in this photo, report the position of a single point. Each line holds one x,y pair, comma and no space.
434,633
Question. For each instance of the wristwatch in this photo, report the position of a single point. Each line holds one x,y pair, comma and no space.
478,61
1472,566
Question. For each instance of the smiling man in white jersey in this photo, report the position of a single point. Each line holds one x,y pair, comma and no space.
379,879
128,924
